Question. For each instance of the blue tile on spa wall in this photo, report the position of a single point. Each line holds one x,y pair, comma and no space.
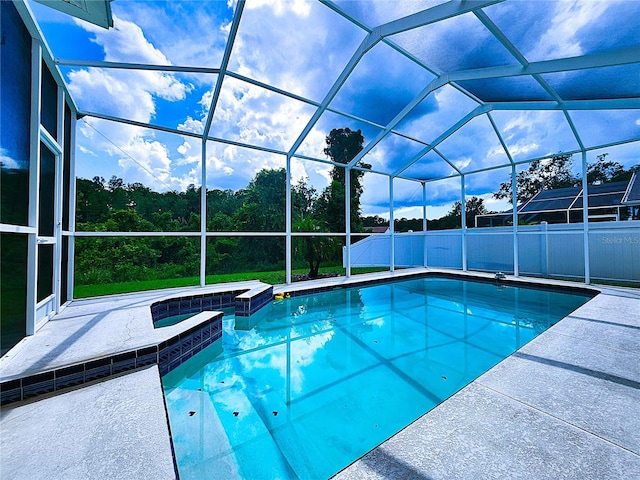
97,369
38,384
10,391
69,376
123,362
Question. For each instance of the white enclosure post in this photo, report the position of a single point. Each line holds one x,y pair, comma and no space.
34,191
392,239
347,218
203,215
585,219
72,210
288,206
514,202
57,215
463,215
424,222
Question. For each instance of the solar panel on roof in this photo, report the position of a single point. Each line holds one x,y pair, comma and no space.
608,200
545,205
607,188
557,193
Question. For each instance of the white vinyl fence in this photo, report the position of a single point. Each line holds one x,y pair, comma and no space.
553,251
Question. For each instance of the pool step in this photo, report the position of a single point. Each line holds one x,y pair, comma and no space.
194,421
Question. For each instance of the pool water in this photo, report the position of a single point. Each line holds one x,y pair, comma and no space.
310,384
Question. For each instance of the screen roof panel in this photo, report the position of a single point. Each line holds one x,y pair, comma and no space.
507,89
250,114
599,127
475,146
295,52
314,143
346,57
621,81
431,166
459,43
379,94
392,152
534,134
546,30
167,99
378,12
436,114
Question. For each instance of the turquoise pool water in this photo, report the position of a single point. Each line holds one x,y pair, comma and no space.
309,384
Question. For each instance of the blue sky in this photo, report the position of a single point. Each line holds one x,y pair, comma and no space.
303,50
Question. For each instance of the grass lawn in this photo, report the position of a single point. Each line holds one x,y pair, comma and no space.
274,278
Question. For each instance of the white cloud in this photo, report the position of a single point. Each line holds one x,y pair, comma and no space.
560,38
493,204
6,161
463,163
303,52
101,91
184,148
126,89
522,147
85,150
128,94
281,7
150,156
535,133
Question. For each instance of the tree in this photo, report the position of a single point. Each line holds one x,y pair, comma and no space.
606,171
303,197
263,210
343,144
546,174
92,200
314,249
374,221
473,206
305,219
263,202
118,198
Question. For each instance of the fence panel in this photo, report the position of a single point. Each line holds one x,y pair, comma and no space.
373,251
444,249
614,252
553,251
409,250
490,250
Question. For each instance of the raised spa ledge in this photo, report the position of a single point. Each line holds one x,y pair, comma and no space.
251,301
246,301
101,337
168,347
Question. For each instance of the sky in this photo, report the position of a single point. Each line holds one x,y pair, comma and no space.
301,47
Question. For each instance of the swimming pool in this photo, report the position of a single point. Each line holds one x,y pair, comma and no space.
309,384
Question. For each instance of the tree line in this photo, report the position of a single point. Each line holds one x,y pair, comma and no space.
114,206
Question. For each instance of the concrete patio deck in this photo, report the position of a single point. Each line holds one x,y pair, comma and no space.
567,405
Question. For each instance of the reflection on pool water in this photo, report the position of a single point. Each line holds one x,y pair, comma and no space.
310,384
